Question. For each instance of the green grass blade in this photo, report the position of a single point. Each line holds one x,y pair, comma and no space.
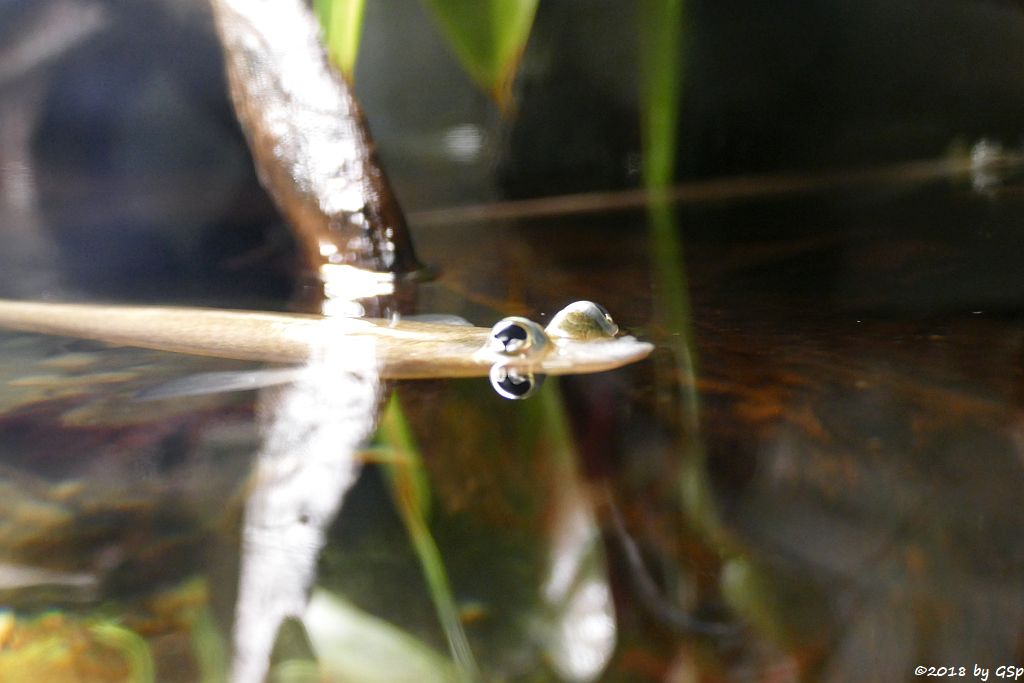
487,36
662,72
661,25
411,490
341,22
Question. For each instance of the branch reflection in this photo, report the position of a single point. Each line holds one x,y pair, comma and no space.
312,431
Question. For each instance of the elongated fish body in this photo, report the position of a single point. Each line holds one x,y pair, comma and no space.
403,349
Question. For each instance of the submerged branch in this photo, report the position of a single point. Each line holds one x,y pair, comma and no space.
735,188
309,138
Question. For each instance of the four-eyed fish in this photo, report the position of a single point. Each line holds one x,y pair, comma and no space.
581,338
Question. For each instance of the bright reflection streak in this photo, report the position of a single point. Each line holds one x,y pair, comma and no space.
17,184
584,634
464,142
344,285
17,577
586,631
313,429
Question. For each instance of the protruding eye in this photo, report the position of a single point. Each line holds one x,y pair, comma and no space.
517,337
512,337
583,320
515,385
604,314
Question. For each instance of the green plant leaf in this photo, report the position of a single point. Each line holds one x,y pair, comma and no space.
342,22
488,37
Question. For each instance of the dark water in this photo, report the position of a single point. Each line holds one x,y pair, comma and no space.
815,477
841,503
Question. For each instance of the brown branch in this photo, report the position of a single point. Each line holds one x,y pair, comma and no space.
309,138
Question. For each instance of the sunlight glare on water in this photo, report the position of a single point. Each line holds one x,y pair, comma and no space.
312,431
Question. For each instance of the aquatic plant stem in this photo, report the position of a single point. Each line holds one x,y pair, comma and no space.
673,303
660,28
661,24
411,492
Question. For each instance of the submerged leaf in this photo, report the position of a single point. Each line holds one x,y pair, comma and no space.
130,645
342,22
355,646
488,36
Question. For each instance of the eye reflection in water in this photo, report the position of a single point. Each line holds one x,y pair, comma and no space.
513,384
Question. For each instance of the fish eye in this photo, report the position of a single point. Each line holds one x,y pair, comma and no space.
517,337
513,384
603,312
583,320
512,337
